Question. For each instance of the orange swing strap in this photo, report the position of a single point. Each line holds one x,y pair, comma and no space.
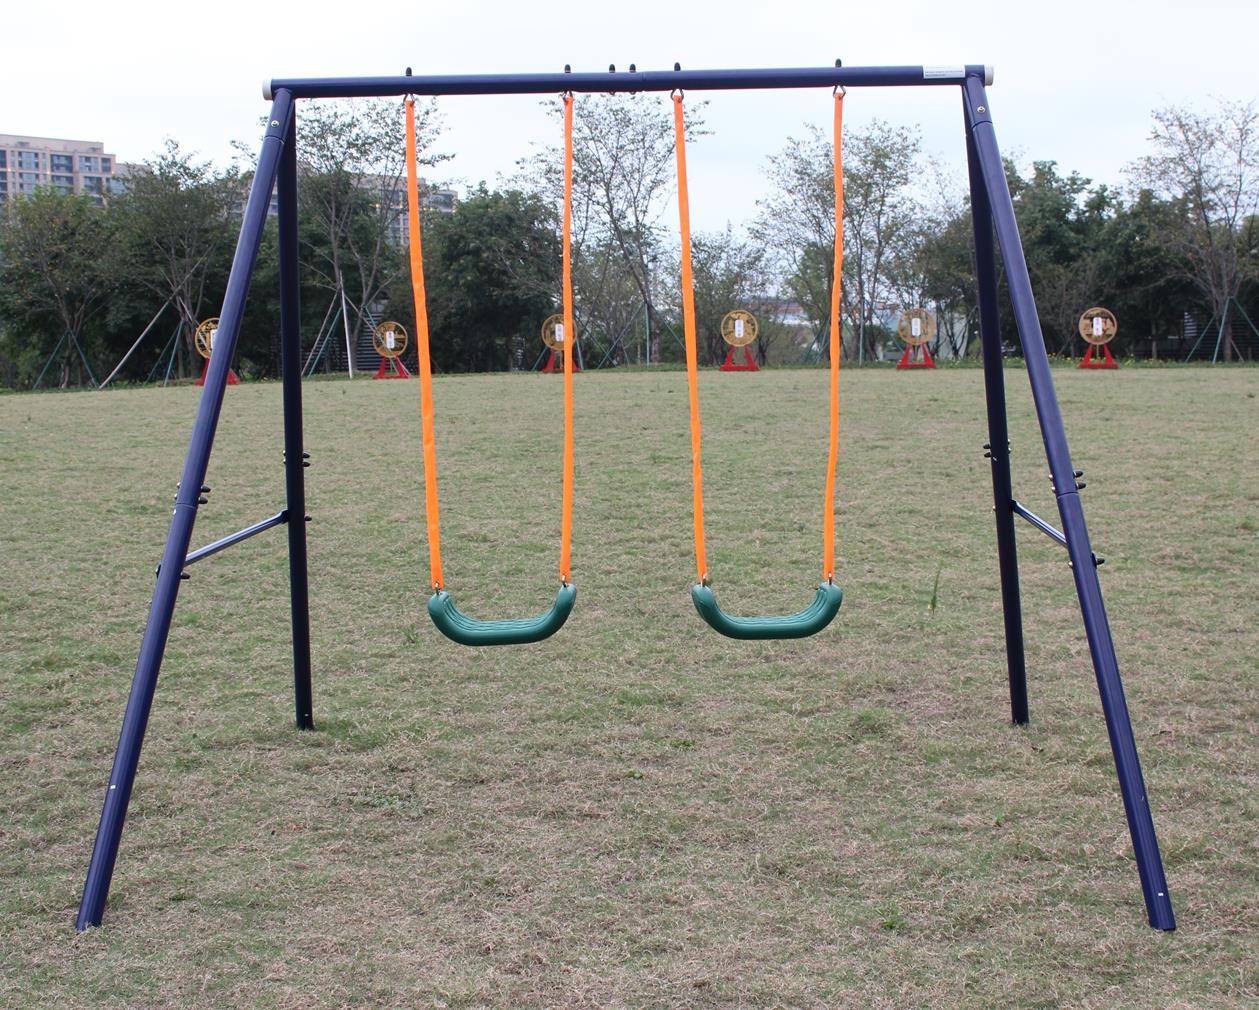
570,347
836,344
441,608
688,330
692,352
431,511
829,597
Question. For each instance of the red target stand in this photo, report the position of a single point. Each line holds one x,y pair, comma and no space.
554,338
390,341
1098,327
739,329
916,328
203,341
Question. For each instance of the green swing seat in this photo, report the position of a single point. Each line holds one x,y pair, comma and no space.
807,622
459,627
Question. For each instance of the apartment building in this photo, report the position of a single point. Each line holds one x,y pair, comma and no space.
84,166
71,166
391,192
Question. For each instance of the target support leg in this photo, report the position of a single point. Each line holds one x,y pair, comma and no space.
232,378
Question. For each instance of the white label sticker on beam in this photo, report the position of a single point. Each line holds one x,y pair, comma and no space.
942,72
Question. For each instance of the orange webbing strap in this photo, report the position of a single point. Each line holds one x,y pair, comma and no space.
421,347
570,346
836,345
688,327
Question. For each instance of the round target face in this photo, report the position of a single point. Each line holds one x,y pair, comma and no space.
553,334
739,328
390,339
203,339
916,327
1098,326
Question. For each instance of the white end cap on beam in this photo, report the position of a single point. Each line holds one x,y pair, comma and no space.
269,95
989,73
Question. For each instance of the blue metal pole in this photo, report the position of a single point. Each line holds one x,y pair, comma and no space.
209,550
1083,561
140,702
648,80
294,457
998,437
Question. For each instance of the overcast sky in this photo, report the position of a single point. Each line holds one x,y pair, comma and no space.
1075,79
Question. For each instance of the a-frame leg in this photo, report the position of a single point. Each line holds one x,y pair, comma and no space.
998,439
1083,562
153,645
294,456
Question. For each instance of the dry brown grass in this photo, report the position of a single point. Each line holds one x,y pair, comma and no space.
636,813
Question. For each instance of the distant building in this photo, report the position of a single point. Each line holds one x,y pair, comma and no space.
443,200
69,166
433,199
84,166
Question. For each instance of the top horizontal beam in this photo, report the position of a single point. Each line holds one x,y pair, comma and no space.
643,80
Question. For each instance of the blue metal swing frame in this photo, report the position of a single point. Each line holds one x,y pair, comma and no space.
992,210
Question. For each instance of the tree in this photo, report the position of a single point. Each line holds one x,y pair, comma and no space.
1060,221
880,208
1207,164
730,274
935,268
352,193
492,275
608,305
56,269
1137,275
176,220
798,222
623,171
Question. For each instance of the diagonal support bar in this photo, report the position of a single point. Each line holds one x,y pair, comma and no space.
1019,509
144,683
1083,566
209,550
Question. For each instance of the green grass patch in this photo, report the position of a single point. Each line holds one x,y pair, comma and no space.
635,813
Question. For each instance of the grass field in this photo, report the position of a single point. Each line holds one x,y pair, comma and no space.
636,813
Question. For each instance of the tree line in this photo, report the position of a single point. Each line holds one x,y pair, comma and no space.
1173,252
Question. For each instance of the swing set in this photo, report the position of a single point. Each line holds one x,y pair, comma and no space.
992,211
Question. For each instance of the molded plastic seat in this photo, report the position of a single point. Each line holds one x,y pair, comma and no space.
465,630
809,621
